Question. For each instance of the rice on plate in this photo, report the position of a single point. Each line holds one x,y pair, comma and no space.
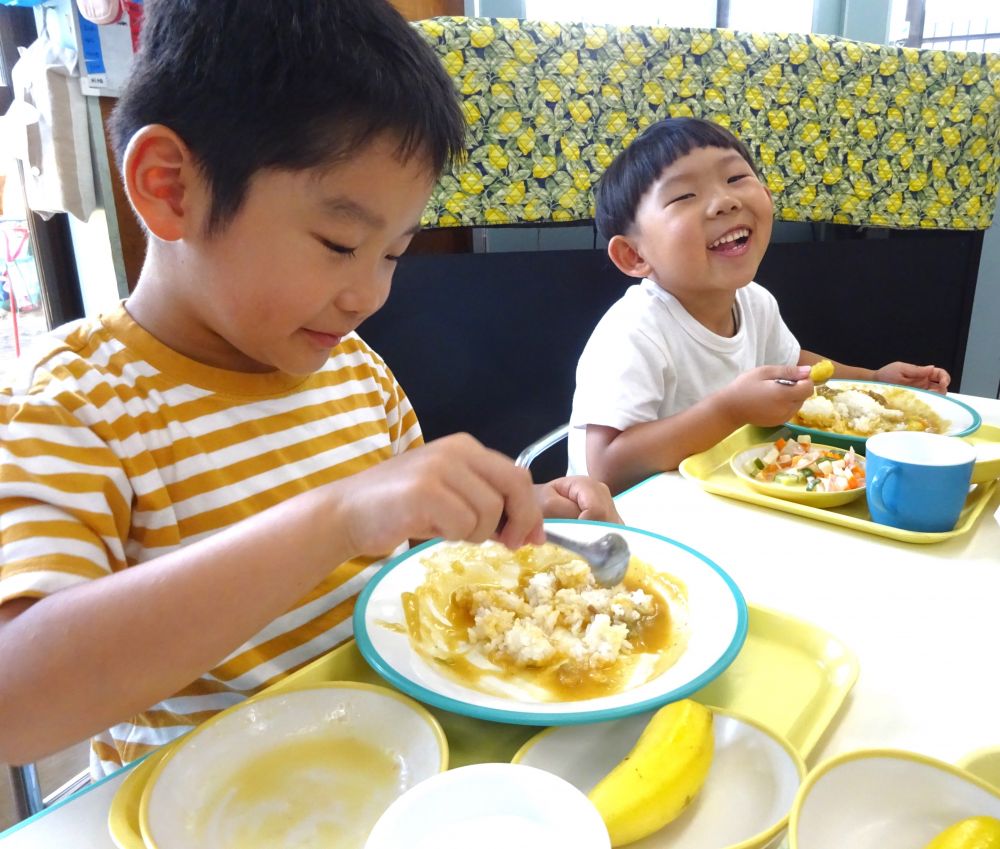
538,615
856,410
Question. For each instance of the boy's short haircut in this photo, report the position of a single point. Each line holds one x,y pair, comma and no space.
636,168
285,84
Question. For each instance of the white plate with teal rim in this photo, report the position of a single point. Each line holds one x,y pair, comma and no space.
716,629
960,419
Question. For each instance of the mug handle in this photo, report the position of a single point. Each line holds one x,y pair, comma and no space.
878,480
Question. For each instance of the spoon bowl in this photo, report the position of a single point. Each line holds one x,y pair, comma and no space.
607,556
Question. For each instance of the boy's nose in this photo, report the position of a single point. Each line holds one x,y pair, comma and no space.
723,203
364,297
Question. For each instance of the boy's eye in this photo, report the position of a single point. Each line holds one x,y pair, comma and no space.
392,257
737,178
680,197
343,250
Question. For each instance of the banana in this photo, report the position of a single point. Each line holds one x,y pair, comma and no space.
821,372
971,833
664,771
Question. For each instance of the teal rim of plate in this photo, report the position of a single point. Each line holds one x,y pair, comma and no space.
977,420
523,717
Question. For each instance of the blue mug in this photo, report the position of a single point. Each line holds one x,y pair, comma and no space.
917,481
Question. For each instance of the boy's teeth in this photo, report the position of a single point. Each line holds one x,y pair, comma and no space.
730,237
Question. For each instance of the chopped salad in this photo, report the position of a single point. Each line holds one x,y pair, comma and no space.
816,468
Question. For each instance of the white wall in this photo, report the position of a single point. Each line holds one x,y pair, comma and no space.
94,263
981,375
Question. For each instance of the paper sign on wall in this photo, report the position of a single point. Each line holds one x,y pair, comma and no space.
107,51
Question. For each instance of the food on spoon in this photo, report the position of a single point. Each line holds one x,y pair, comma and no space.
533,623
821,372
972,833
857,410
814,468
660,776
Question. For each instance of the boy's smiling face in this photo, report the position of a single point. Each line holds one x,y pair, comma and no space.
703,227
306,259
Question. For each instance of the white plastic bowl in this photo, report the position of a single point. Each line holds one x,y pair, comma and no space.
491,806
884,799
291,769
744,802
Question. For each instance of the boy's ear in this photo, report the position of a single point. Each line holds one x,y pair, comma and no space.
627,258
162,182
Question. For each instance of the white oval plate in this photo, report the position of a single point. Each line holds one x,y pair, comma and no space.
717,628
745,800
286,769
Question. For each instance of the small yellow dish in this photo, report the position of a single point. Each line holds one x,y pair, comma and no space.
123,818
746,798
739,462
884,799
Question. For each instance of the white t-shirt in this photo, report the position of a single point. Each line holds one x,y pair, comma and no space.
649,358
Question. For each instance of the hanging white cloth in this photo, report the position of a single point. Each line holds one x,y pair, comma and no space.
46,128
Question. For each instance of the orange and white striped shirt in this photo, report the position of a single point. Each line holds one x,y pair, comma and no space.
115,449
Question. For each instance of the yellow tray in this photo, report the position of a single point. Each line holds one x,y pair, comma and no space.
790,676
984,764
710,470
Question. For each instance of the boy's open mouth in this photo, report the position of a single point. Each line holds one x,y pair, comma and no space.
732,242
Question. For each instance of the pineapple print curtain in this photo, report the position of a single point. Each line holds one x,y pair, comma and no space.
843,131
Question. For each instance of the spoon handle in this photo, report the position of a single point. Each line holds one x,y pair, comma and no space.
580,548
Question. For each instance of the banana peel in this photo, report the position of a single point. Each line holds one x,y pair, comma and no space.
971,833
659,777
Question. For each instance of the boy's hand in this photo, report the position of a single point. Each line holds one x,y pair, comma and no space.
577,497
756,398
453,488
922,377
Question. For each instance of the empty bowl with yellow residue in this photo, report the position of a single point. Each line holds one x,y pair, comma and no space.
313,766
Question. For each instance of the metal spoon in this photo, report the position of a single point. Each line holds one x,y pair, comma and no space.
607,557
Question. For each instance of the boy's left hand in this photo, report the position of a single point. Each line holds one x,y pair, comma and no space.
577,497
922,377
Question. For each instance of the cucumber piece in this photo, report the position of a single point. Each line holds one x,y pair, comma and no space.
789,478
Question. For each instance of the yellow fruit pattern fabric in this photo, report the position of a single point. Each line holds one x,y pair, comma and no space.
847,132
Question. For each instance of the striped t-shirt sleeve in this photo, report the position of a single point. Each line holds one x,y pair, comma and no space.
117,451
65,500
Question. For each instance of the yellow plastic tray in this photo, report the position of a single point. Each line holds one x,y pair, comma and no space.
790,676
710,470
984,764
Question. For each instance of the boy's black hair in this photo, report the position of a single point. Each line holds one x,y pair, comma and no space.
636,168
287,84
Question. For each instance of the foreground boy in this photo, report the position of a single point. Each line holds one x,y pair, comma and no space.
226,428
695,350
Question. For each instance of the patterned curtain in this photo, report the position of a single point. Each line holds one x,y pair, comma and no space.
842,131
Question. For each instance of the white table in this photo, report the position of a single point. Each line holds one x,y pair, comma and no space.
924,621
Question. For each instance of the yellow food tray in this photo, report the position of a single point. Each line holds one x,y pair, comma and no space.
984,764
790,676
710,470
